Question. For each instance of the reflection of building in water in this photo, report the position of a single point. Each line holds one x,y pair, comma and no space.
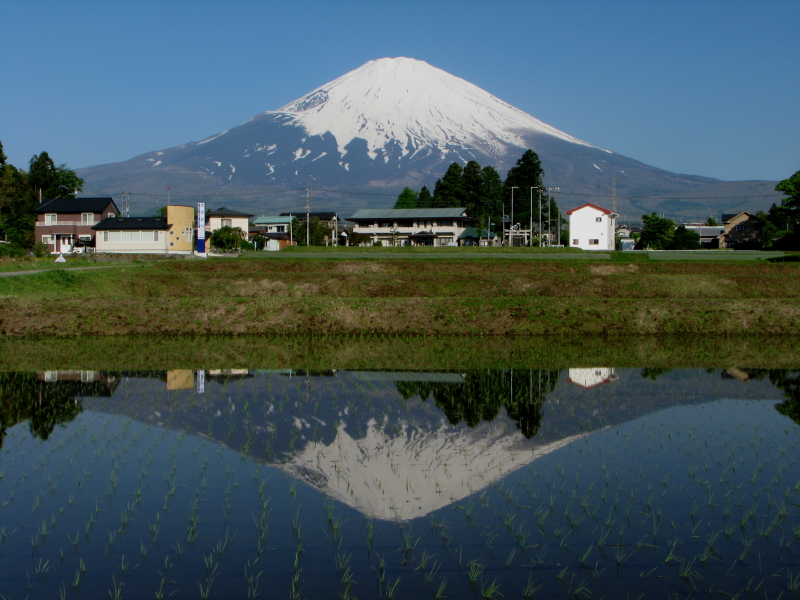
591,378
76,376
229,373
180,379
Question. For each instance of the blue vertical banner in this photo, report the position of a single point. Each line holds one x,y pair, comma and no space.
201,227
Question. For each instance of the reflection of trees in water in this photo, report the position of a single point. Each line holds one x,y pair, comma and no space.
484,392
44,404
789,383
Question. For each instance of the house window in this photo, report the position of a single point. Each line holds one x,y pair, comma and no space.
46,239
385,224
740,227
594,242
574,242
226,222
599,220
50,219
445,240
279,229
155,236
171,243
131,236
51,375
114,236
87,218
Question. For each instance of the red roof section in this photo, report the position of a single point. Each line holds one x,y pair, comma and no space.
589,204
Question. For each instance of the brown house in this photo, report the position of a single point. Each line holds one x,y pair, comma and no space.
65,224
743,231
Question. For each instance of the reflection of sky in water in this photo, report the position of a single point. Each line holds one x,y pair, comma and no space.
672,458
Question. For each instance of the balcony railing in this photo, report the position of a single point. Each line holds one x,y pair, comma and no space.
67,223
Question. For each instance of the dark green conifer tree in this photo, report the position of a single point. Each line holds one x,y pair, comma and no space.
424,199
449,190
407,199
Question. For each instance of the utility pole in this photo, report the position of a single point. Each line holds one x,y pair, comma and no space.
308,213
530,235
168,189
510,231
540,216
558,210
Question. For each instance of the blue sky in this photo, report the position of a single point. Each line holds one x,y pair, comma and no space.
704,87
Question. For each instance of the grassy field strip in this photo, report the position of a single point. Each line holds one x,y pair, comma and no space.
423,297
414,353
34,272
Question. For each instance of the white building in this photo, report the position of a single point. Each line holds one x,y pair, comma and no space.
225,217
591,378
592,227
134,235
413,226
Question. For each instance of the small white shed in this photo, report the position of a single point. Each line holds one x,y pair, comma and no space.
591,227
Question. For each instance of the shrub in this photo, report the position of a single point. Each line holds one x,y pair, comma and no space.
41,250
11,251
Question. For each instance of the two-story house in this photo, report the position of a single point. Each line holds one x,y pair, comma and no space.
412,226
66,223
743,231
591,227
226,217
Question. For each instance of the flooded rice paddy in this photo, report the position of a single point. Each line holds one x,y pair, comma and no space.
572,483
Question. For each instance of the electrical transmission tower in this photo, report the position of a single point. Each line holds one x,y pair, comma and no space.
614,195
126,204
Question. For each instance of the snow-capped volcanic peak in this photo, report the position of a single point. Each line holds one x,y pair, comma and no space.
410,102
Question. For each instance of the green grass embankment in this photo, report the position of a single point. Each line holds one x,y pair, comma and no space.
401,352
383,296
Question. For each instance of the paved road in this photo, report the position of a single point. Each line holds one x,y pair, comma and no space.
438,255
10,273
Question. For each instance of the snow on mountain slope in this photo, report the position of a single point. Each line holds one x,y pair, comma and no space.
417,105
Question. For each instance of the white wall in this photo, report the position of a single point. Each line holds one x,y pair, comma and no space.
215,223
584,227
148,246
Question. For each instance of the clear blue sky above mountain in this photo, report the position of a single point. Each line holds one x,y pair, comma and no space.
707,88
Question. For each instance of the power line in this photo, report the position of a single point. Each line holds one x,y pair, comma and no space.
565,192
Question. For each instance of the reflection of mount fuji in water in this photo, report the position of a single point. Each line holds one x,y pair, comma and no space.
398,444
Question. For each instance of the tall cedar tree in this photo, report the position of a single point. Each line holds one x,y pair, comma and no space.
54,181
473,179
527,173
407,199
449,191
491,196
425,199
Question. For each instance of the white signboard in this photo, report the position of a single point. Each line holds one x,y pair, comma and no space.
201,220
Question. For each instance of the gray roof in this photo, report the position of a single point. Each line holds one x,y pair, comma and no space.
76,205
408,213
133,224
472,232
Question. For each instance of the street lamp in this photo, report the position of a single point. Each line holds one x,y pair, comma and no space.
510,242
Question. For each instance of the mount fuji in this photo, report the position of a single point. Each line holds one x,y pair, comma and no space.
398,122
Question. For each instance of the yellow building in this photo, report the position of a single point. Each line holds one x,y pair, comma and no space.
181,233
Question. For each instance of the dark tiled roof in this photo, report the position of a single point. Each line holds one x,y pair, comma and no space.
132,224
227,212
76,205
